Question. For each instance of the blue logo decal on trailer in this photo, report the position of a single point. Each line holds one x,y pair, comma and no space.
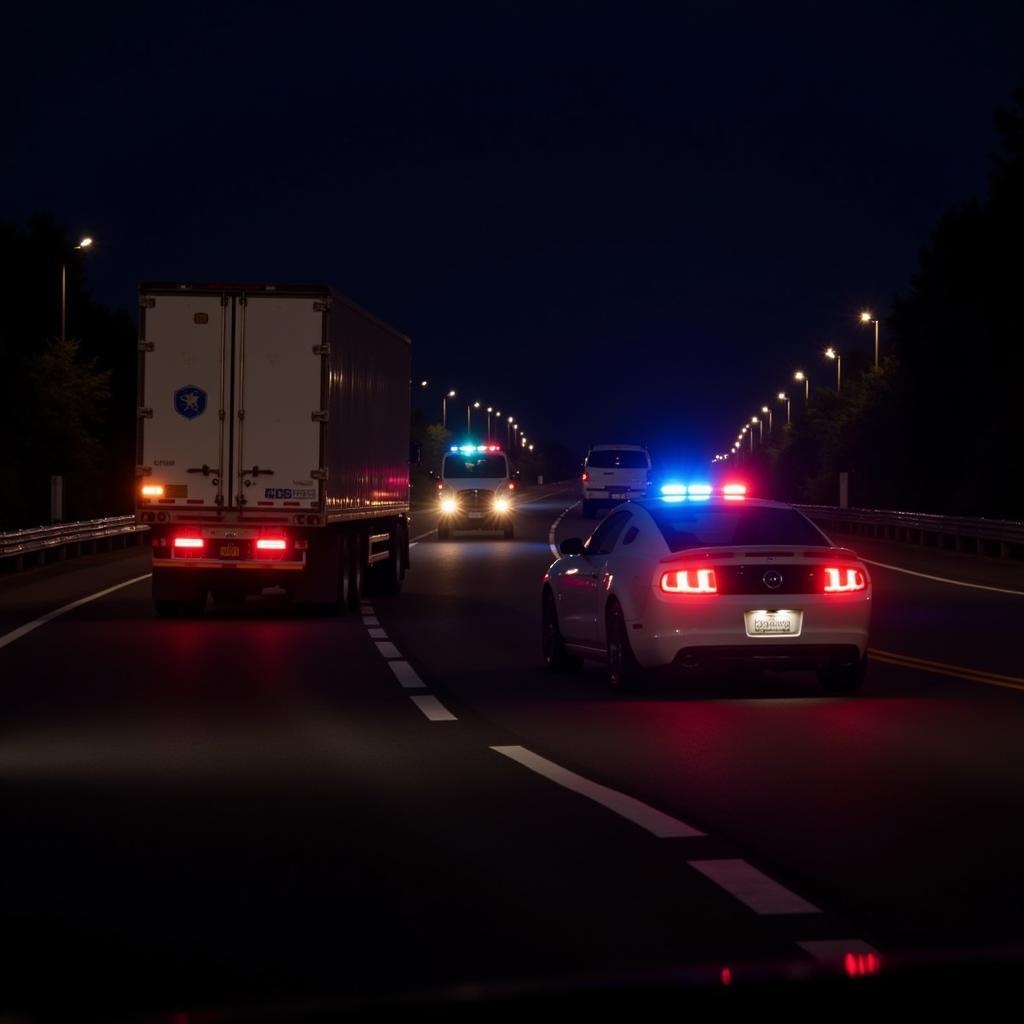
190,401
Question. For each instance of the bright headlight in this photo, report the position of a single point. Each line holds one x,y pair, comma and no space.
449,505
501,504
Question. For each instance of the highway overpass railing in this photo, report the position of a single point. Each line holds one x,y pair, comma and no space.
998,538
23,548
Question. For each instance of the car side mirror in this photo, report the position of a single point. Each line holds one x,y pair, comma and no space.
571,546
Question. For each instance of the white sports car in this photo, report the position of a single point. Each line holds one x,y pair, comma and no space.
700,578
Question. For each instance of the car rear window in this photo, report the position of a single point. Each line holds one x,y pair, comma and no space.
462,467
689,526
616,458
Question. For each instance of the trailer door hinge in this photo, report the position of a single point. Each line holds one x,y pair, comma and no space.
322,307
320,416
146,302
321,350
145,412
318,474
143,470
146,346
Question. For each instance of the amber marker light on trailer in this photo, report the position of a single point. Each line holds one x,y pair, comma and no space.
689,581
152,490
843,580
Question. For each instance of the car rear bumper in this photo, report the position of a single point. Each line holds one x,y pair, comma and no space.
713,629
793,656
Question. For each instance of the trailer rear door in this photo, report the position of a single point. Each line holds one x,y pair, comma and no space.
279,401
185,344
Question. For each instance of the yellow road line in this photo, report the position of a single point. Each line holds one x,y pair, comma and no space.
975,675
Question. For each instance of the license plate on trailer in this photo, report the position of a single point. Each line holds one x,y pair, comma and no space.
475,515
619,494
778,622
230,551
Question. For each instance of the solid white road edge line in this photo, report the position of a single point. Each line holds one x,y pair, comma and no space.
656,822
406,675
17,634
388,649
754,888
943,579
433,708
554,526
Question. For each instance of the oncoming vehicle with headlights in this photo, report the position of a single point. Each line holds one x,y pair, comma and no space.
476,491
705,577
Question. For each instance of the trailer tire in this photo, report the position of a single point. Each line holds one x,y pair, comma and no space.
386,577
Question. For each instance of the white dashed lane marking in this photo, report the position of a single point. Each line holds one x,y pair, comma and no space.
371,620
376,633
662,825
754,888
434,710
406,675
388,649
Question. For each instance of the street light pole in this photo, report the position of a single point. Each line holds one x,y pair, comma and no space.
831,353
766,409
800,375
85,243
783,397
489,410
444,409
869,318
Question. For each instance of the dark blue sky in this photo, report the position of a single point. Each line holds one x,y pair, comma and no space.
618,223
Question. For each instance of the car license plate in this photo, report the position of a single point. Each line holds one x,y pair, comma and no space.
619,494
475,515
230,551
777,622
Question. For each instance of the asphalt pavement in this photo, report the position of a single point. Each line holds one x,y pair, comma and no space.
260,805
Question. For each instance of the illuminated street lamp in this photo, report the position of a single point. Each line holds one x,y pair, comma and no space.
490,409
424,383
768,413
760,429
800,375
867,317
85,243
444,408
530,448
831,353
783,397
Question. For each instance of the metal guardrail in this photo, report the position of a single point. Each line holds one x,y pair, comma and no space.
34,546
1001,538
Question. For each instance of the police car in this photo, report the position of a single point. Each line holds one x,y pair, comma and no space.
476,491
703,577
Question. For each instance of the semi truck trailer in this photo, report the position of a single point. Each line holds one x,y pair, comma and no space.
273,445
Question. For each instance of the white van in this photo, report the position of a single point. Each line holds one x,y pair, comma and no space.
613,473
475,491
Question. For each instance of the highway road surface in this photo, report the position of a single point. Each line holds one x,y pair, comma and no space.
261,806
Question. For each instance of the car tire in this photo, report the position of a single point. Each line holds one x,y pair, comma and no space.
556,657
624,672
843,679
357,570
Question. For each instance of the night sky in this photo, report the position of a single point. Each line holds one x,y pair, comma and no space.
614,222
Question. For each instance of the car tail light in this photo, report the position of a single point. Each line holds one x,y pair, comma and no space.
586,477
689,581
843,580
